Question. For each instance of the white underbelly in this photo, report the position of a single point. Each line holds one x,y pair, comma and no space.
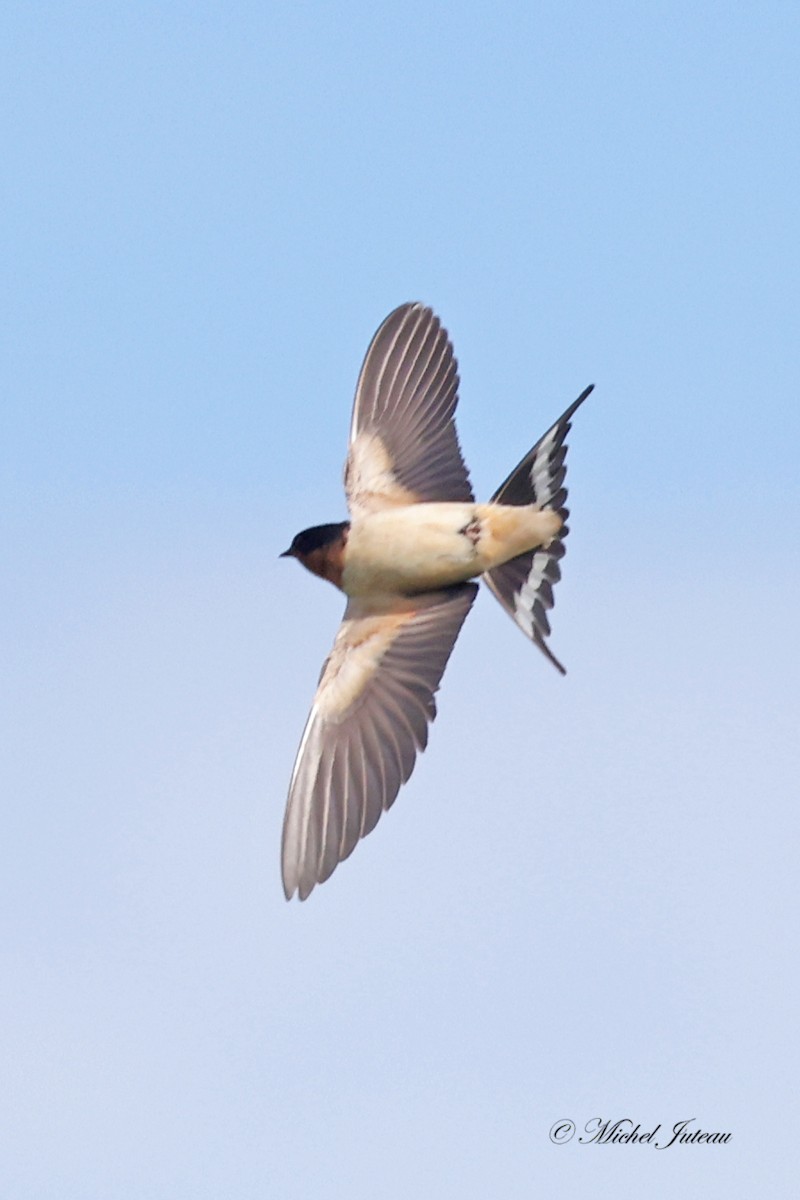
422,547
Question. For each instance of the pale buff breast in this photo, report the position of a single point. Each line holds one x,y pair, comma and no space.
422,547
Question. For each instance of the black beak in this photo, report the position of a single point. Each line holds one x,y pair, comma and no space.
287,554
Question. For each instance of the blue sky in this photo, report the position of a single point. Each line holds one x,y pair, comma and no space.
583,904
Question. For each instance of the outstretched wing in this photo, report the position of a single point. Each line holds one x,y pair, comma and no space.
403,443
369,718
524,585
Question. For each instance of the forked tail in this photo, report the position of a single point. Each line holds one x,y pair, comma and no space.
524,585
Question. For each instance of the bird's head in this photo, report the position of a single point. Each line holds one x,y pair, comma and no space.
321,550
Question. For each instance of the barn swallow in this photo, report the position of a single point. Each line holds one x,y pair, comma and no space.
404,560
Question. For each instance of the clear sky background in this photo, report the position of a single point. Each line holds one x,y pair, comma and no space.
584,903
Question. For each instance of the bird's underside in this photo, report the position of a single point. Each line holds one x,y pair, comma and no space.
424,547
415,539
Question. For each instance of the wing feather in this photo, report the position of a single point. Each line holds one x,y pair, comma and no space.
403,443
369,720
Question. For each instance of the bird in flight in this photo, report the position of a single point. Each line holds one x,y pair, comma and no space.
404,561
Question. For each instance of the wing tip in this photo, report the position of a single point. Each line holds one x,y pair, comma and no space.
301,887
